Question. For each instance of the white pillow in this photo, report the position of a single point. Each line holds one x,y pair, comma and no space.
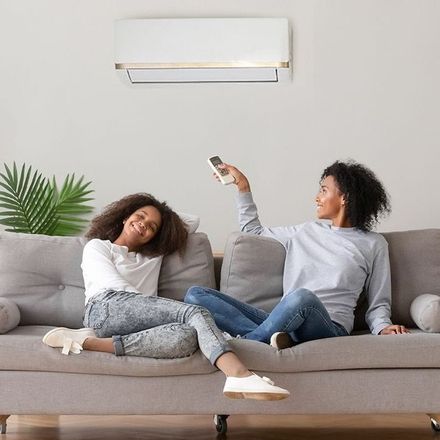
191,221
425,312
9,315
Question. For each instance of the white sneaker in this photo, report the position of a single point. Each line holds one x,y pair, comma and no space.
70,340
281,340
253,387
227,336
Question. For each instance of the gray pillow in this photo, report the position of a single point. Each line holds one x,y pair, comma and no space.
425,311
196,267
42,275
252,269
415,262
9,315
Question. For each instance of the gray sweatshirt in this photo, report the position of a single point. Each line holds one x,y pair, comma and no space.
336,264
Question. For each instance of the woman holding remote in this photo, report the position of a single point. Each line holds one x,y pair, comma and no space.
124,315
327,266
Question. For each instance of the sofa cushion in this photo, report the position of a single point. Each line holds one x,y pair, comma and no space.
252,271
42,275
415,269
357,351
22,350
196,267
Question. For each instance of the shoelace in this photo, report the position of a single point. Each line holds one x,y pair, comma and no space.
70,345
266,379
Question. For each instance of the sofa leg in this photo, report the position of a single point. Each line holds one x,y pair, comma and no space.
435,425
221,425
3,424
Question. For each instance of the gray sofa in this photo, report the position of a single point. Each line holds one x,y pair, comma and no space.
358,374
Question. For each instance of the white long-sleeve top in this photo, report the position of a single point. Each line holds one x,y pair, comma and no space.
109,266
336,264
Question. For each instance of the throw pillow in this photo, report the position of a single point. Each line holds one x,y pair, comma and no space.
425,312
9,315
191,221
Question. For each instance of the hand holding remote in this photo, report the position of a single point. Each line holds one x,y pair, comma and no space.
239,178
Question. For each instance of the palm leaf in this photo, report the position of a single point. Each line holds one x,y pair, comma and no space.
10,199
30,194
40,209
32,203
70,204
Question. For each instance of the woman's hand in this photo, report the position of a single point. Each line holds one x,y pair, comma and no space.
394,330
239,178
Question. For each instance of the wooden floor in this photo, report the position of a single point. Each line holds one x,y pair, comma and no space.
398,427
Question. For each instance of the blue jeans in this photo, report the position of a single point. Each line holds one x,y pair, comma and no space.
300,314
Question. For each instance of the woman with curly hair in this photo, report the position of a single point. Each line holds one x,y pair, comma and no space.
327,265
124,315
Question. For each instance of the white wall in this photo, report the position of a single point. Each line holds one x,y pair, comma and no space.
365,86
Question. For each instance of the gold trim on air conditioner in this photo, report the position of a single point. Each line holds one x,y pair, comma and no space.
210,65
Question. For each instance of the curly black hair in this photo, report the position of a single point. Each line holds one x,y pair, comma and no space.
365,197
171,237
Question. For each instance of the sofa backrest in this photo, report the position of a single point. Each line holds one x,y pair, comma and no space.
252,271
42,275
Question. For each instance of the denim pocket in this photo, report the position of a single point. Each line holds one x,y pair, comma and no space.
96,314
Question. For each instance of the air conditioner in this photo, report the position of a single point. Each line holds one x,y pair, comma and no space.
203,50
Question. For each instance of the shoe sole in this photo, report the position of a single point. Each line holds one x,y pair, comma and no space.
55,330
282,341
255,396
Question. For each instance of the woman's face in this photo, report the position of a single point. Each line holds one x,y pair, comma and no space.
329,200
141,226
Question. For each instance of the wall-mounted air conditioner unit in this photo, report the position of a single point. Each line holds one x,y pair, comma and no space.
203,50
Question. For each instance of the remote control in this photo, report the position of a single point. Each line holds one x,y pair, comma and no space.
222,173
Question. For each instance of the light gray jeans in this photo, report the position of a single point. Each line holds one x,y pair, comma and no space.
154,327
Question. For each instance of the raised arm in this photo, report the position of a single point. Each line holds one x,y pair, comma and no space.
248,214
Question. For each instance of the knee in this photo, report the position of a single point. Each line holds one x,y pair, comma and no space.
193,295
190,343
301,296
199,310
176,341
196,311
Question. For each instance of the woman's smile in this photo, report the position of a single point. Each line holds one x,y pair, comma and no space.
139,228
